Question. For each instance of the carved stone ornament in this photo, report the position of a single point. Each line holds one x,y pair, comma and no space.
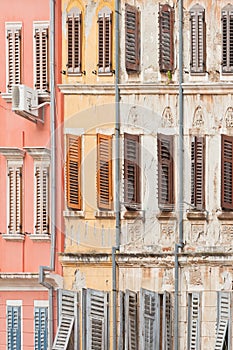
198,119
229,117
167,118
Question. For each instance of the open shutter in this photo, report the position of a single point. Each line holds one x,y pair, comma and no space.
14,327
131,332
74,42
167,321
104,42
148,319
131,172
41,59
132,41
198,173
223,321
194,322
226,172
42,202
14,57
165,172
41,328
166,22
197,21
68,321
227,39
73,172
104,171
97,320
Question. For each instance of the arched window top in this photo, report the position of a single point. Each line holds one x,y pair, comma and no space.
104,11
74,12
227,8
197,8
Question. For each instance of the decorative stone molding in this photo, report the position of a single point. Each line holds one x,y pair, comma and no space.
167,118
229,117
198,119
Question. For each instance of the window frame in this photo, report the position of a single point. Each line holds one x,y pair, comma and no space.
132,35
105,15
226,205
197,174
76,52
227,47
166,13
198,42
17,304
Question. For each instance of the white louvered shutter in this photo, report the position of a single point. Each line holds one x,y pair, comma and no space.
121,337
68,315
41,59
167,321
197,21
13,327
223,321
14,57
42,200
41,328
97,320
131,330
15,199
148,319
194,337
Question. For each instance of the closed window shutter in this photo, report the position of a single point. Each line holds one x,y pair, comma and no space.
227,39
97,320
194,322
166,21
15,199
131,172
41,328
132,40
165,172
42,200
104,43
227,168
223,321
104,171
14,57
148,319
41,59
198,173
73,172
197,20
68,321
167,345
74,43
13,327
121,337
131,332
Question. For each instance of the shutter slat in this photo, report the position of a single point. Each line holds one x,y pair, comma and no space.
226,178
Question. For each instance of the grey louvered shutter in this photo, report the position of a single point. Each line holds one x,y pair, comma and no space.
41,328
13,328
74,41
166,22
198,42
227,39
42,200
198,173
97,320
41,59
104,42
121,334
14,56
224,303
194,322
167,321
226,172
132,41
149,319
68,321
15,199
131,329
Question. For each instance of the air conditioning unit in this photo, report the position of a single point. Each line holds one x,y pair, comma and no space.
25,101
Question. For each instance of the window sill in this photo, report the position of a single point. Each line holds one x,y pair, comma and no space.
40,237
225,215
101,214
43,96
107,74
134,214
197,215
166,215
13,237
73,214
7,96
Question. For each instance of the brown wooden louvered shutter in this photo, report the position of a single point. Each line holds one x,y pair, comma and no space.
41,59
73,172
165,172
131,172
198,173
166,308
227,39
104,43
226,172
131,331
74,43
14,57
198,41
132,40
166,22
104,171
